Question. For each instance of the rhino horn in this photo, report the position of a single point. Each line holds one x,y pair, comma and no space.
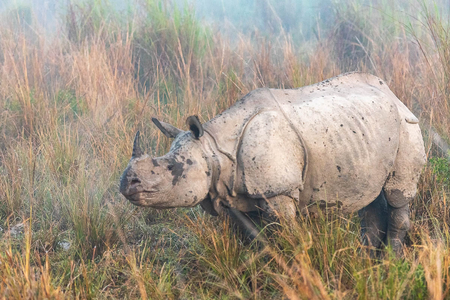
137,152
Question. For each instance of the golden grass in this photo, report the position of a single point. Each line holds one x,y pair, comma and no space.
70,106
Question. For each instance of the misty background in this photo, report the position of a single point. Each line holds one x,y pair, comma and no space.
301,19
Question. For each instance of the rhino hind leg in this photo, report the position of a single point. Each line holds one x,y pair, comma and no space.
400,190
398,226
400,187
374,222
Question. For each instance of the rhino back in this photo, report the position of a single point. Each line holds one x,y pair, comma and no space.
350,127
351,131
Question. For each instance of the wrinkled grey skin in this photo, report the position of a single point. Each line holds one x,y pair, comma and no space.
347,142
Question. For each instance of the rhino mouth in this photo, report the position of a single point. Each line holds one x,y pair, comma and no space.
138,197
146,199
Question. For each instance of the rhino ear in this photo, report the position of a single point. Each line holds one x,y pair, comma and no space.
168,130
195,126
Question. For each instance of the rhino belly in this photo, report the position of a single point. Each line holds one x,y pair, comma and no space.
352,144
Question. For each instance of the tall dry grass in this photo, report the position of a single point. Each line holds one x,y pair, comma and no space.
71,103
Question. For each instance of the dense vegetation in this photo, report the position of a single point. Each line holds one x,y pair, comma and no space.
71,101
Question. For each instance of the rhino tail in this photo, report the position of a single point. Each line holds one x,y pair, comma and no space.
406,113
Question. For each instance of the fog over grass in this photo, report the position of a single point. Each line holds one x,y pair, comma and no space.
299,18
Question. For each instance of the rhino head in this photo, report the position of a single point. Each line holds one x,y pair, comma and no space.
178,179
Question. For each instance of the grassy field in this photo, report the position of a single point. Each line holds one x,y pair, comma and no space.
72,100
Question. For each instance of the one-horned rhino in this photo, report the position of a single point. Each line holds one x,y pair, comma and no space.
347,142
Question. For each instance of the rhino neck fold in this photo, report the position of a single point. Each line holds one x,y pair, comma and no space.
229,174
213,163
299,136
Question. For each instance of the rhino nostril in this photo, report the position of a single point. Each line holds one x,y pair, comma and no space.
134,182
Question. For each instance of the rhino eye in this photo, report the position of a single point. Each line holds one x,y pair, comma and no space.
170,167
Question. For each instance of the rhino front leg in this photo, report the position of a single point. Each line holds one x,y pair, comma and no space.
281,207
374,222
244,223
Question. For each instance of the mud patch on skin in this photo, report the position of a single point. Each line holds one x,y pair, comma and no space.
177,171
